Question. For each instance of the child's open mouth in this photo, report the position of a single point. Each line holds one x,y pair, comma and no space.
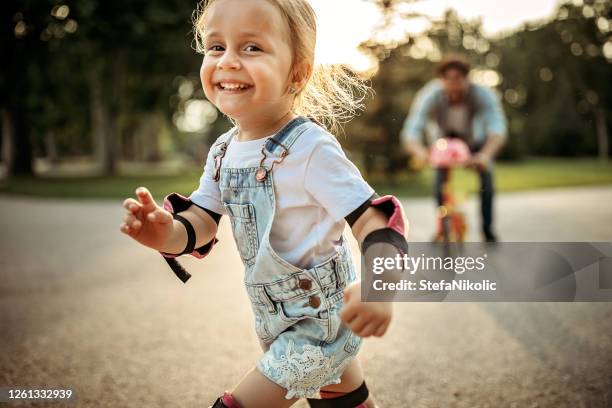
233,87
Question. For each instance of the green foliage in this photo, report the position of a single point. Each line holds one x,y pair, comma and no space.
131,50
552,78
555,76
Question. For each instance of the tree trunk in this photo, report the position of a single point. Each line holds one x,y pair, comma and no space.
99,120
8,149
602,133
21,162
115,107
140,142
151,129
51,147
109,167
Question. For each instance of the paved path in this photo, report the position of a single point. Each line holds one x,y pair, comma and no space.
82,306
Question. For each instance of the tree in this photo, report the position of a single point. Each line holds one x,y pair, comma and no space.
24,54
86,68
552,77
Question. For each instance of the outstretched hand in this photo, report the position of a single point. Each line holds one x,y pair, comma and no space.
145,221
365,318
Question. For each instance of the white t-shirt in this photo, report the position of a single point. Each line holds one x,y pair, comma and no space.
316,186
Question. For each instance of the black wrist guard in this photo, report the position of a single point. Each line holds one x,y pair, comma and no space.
386,236
175,203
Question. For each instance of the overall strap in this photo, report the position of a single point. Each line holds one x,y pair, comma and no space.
219,152
227,139
281,142
278,145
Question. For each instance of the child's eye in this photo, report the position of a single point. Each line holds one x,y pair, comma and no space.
252,48
215,48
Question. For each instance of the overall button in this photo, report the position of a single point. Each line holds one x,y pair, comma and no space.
314,301
261,174
305,284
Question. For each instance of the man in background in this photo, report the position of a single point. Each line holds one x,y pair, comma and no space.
454,105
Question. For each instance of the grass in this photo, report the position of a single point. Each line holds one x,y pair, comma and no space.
100,187
527,175
531,174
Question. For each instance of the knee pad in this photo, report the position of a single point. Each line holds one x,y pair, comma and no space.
226,401
353,399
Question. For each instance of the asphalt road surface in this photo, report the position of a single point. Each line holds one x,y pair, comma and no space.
84,307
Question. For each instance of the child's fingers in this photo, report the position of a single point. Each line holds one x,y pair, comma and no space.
132,221
358,324
131,205
382,329
368,330
146,199
124,228
160,216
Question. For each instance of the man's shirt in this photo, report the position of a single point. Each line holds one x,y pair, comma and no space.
480,114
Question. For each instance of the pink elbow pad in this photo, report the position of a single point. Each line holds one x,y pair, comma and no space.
392,207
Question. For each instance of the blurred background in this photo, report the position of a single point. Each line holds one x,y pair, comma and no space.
98,97
110,90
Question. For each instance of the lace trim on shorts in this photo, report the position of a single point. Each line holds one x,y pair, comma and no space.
303,374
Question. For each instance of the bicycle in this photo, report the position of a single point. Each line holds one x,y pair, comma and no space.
448,153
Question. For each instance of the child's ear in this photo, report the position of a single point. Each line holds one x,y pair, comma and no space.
301,74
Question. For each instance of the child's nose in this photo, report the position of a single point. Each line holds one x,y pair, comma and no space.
229,60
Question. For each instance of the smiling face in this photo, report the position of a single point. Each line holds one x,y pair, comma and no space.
247,62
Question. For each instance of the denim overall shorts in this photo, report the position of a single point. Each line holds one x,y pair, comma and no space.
296,310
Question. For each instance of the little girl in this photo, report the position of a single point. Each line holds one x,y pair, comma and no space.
288,190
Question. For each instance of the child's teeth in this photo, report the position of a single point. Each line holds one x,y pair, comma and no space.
233,86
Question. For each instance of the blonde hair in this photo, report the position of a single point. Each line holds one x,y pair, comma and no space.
332,94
